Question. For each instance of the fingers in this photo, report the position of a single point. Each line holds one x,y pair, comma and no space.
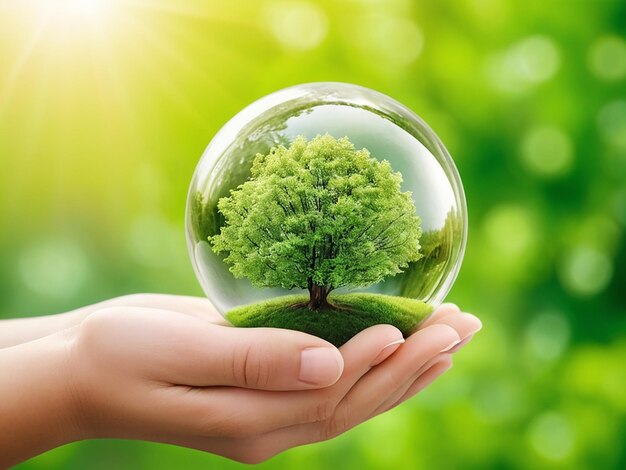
441,312
393,399
387,385
428,377
201,354
463,342
200,307
367,349
231,411
395,395
376,386
330,419
465,325
195,306
173,348
367,394
271,359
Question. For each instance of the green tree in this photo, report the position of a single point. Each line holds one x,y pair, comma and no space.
318,215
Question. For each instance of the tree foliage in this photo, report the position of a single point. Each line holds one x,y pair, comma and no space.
318,215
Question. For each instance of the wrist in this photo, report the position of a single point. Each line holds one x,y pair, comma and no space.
38,408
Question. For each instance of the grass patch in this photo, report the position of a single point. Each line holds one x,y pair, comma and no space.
349,314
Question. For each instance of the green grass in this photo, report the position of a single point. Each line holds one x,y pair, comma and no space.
349,314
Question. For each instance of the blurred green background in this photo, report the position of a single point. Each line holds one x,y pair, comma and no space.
106,107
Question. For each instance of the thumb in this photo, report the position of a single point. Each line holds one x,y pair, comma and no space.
259,358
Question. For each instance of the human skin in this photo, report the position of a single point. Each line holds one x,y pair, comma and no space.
168,369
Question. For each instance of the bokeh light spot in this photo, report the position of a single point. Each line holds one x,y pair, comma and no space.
298,26
612,123
619,206
510,229
392,444
607,58
547,151
153,242
538,58
531,61
400,40
550,435
391,41
547,336
498,400
56,269
597,371
585,271
598,230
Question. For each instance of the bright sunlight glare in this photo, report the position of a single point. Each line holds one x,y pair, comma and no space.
66,9
98,50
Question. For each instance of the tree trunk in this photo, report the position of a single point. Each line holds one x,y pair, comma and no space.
318,296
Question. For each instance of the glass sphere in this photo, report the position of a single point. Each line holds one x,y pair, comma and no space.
326,117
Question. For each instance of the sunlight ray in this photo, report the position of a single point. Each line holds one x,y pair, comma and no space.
226,53
22,60
171,54
229,56
112,86
151,64
217,13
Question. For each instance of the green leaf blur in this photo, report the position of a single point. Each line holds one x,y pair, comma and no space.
106,107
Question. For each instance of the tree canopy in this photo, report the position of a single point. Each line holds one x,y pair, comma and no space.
318,215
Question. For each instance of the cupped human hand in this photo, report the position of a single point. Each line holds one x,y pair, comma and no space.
406,371
162,375
170,369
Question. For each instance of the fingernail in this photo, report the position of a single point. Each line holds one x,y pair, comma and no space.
387,351
461,344
451,345
463,341
320,366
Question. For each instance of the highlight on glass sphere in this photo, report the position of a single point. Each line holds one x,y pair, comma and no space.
326,208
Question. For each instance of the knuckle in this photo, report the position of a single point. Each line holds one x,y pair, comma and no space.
92,343
233,424
391,381
227,426
336,425
252,370
91,327
96,318
322,410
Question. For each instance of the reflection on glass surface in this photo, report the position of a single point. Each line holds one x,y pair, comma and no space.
370,120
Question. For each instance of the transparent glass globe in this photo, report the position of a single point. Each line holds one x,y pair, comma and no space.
369,120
